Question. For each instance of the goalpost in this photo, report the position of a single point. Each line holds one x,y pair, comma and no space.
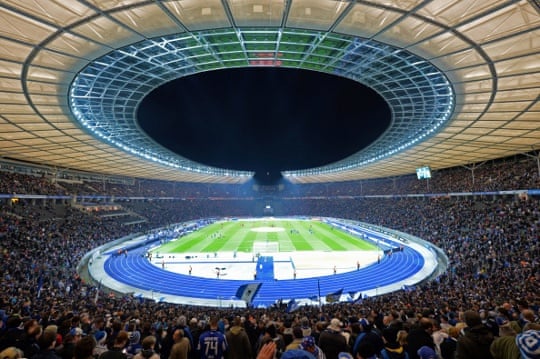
262,247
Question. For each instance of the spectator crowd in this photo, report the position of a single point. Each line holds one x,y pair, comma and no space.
487,304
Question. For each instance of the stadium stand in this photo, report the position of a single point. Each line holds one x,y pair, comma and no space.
491,240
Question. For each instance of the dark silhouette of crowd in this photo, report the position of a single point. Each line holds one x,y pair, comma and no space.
519,172
487,304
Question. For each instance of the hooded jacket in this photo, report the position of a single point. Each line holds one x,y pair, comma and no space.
239,345
394,351
475,343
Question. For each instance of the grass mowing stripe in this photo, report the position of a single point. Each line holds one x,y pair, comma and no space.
297,235
331,242
313,233
343,239
246,245
337,239
353,241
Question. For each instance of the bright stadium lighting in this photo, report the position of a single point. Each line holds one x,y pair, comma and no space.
403,79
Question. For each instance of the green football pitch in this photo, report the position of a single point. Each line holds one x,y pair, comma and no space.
244,235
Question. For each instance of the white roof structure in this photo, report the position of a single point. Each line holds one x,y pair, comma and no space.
462,78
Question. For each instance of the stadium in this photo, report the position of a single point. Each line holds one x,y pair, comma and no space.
289,259
98,217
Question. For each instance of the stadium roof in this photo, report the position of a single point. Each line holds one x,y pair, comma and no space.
461,77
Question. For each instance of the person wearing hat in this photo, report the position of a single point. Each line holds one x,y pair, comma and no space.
426,352
528,343
297,354
134,346
308,344
101,342
331,341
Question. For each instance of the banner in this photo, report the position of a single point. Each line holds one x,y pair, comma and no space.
334,297
247,292
292,306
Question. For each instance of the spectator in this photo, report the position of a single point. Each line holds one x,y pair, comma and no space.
306,327
426,352
528,343
11,353
297,354
297,339
367,335
118,350
84,348
420,336
134,345
101,342
147,350
212,343
477,339
332,341
505,346
392,349
238,341
181,346
449,344
68,347
308,344
46,342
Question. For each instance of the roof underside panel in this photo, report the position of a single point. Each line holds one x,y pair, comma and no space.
478,63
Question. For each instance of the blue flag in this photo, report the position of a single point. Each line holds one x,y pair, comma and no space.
334,297
292,306
40,284
247,292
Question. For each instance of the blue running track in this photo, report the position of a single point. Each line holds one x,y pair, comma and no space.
135,270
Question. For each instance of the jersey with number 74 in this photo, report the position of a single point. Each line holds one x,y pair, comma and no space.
212,345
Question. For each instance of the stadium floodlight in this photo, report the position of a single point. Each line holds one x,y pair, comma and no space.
104,100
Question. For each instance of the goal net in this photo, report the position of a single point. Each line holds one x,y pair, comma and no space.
265,247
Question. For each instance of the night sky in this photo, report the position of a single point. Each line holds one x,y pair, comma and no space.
264,119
